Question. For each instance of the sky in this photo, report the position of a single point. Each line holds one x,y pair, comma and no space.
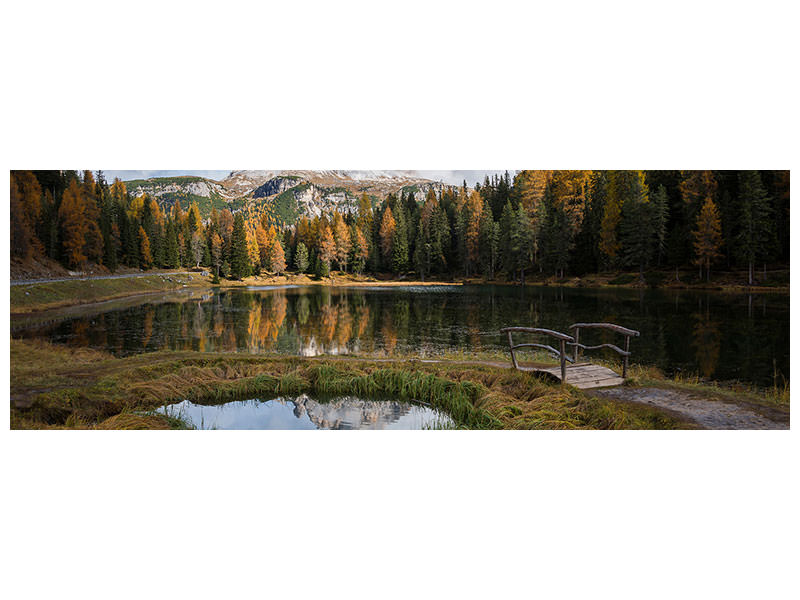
451,177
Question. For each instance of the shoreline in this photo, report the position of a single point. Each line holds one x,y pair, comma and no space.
64,293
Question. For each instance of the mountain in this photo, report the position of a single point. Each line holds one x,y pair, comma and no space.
284,195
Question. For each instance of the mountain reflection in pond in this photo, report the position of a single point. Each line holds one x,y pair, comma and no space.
717,335
303,412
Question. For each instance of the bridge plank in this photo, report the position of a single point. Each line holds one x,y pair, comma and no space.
584,376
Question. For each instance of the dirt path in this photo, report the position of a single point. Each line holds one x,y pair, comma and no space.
708,413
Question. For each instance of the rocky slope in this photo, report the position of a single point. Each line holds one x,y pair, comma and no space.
286,194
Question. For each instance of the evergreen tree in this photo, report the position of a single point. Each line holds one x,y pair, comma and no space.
521,242
555,236
507,259
638,227
359,250
301,258
240,257
399,260
488,241
756,234
587,242
660,215
171,257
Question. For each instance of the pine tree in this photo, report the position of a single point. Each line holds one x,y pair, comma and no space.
612,215
301,258
240,257
661,215
707,236
555,236
756,235
521,241
507,258
638,227
171,257
587,242
488,241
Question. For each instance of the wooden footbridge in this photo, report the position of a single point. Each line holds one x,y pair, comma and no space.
582,375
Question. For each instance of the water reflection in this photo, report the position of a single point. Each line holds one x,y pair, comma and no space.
717,335
303,412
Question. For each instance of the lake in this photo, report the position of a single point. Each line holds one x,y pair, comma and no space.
717,335
304,412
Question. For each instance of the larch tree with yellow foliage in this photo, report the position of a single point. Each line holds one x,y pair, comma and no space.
386,233
707,237
341,234
277,257
144,249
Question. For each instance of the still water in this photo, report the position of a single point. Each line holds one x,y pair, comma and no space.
717,335
303,412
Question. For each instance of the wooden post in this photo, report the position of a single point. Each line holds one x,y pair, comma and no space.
625,362
563,362
577,341
511,349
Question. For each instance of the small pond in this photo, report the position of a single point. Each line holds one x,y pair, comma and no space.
303,412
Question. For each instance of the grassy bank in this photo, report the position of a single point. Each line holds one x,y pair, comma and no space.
776,281
34,297
58,387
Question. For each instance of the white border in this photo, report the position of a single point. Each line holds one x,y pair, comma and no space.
428,85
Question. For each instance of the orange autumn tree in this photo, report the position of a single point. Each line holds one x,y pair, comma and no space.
327,246
26,203
277,257
386,233
264,246
474,208
341,235
72,216
707,236
144,249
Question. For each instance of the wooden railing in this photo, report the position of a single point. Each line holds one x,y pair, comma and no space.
628,333
561,354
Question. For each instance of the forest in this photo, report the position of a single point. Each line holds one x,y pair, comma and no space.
545,223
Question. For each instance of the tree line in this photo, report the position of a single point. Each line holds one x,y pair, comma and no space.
547,222
78,218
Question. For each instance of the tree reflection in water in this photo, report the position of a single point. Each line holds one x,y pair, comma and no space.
730,337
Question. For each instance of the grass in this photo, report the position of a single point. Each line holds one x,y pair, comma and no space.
56,387
42,296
